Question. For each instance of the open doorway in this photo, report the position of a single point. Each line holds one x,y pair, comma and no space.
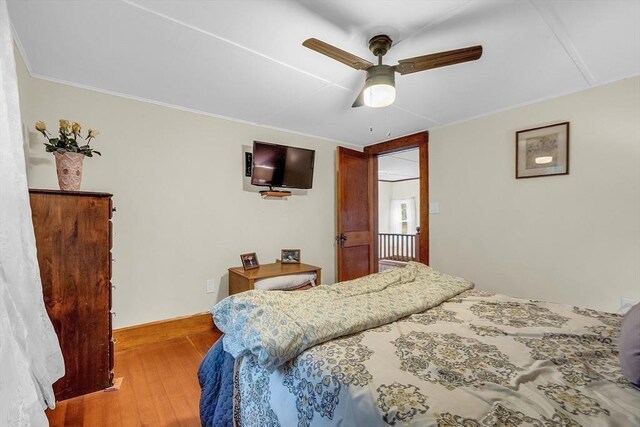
357,239
407,153
398,208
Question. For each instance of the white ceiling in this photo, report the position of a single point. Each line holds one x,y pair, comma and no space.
244,59
399,166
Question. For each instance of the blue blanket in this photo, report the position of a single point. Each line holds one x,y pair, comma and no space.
216,381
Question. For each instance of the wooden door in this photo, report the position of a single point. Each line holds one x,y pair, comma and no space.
355,215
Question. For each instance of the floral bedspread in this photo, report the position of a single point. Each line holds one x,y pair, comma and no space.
276,326
477,359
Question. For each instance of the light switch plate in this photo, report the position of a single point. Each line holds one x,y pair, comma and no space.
211,286
434,207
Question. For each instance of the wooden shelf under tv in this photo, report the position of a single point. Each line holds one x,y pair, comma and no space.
273,193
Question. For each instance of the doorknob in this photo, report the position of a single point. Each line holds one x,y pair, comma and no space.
341,239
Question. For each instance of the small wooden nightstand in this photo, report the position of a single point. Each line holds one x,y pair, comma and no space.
241,280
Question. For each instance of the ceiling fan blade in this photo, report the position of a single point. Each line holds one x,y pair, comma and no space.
437,60
359,102
346,58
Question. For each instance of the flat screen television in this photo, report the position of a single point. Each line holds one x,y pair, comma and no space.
282,166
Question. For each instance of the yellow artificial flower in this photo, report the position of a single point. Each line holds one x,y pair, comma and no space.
67,141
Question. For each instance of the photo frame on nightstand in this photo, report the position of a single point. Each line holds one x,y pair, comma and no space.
290,256
249,261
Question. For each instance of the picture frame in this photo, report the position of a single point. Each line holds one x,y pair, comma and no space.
290,256
542,151
249,261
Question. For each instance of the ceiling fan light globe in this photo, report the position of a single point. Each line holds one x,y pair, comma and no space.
379,87
381,95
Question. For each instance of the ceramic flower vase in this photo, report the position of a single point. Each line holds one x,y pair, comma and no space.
69,168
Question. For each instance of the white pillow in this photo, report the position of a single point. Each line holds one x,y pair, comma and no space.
284,282
629,345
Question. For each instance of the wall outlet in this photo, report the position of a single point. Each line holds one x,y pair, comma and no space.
626,304
211,286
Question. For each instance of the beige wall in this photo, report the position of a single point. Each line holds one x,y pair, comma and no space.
572,239
177,179
384,201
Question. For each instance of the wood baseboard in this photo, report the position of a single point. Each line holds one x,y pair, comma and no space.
162,330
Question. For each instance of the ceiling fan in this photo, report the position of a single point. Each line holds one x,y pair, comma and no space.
379,87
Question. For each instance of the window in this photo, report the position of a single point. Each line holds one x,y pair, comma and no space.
403,218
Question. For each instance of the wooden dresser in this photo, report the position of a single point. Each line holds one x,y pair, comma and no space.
241,280
73,238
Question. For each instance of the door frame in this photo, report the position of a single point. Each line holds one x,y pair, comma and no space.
418,140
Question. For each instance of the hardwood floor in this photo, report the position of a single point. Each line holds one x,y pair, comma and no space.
159,388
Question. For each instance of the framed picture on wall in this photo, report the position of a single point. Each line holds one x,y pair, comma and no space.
542,151
249,261
290,256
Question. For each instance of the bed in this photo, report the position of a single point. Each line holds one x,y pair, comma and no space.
412,347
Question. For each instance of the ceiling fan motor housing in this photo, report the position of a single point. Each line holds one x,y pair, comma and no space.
380,75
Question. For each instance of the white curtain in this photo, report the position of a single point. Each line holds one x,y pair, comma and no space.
30,357
396,215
